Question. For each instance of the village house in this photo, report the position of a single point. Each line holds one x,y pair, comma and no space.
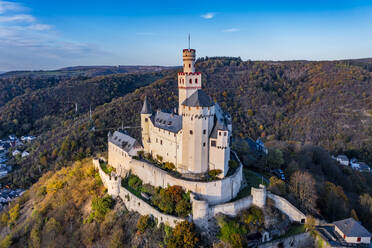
352,231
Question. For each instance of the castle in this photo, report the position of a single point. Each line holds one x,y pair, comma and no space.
195,140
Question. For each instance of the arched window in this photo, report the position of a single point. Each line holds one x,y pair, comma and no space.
190,81
189,65
196,80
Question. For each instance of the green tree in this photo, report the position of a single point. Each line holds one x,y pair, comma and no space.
275,158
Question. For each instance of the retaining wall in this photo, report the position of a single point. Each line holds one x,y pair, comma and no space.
214,192
131,201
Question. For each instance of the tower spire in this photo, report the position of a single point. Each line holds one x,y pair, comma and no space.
189,41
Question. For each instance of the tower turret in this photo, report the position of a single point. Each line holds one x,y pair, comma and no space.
146,113
189,81
188,60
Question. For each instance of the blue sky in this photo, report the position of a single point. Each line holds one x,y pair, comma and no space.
38,34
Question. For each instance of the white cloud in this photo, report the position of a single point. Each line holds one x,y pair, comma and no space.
25,43
230,30
208,15
10,6
17,18
40,27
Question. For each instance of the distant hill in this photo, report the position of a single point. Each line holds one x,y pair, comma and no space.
88,71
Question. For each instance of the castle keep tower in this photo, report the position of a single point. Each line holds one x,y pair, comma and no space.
188,81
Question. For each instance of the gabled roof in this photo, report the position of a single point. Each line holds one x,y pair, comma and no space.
146,108
352,228
198,99
124,141
167,121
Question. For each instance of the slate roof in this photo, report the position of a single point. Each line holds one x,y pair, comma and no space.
352,228
198,99
167,121
124,141
146,108
218,126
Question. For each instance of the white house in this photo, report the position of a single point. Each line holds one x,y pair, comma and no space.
15,153
25,154
352,232
343,159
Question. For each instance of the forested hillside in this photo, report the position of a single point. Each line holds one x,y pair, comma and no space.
323,103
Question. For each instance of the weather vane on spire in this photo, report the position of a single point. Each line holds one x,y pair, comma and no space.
189,41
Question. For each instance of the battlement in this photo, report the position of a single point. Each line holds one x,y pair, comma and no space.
189,73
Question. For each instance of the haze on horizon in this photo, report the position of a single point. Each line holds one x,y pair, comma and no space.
40,34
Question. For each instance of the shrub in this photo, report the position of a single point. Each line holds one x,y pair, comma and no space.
135,182
100,207
140,153
145,222
159,158
169,166
183,235
13,214
6,242
214,173
253,216
232,232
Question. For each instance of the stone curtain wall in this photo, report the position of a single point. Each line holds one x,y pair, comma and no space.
131,201
286,207
214,192
231,208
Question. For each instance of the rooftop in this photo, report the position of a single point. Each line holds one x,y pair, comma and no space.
167,121
198,99
123,140
352,228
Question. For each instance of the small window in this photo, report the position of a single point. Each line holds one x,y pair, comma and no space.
219,133
204,131
146,120
225,133
156,140
196,80
189,65
190,131
161,142
359,239
190,81
213,143
204,144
